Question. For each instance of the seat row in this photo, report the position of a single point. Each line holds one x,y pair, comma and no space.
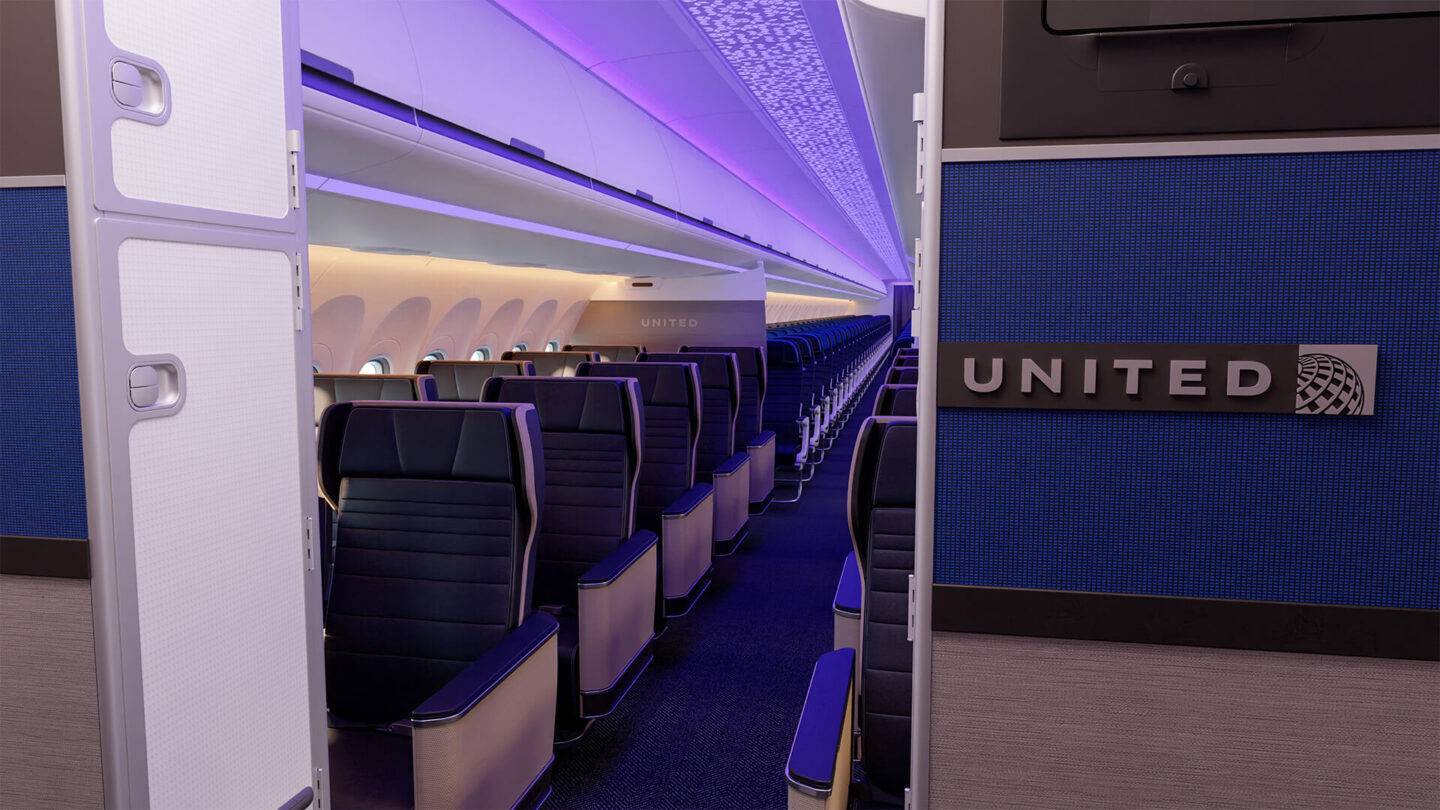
504,546
854,731
817,372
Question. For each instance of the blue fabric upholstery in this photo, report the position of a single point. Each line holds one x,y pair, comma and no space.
895,400
903,376
670,393
437,506
463,380
609,353
590,429
751,361
720,403
882,529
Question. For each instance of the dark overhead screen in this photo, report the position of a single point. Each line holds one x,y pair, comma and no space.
1088,16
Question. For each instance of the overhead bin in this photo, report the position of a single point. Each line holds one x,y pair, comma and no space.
507,125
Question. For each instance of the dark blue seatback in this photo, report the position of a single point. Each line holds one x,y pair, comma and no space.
553,364
751,362
786,398
609,353
906,361
882,531
670,395
895,400
720,403
903,376
463,380
437,506
590,428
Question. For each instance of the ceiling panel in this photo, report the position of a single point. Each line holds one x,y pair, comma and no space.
765,87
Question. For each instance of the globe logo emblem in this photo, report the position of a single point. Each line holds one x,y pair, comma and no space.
1328,385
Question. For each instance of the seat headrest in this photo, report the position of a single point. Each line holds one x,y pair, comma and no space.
553,364
882,474
462,380
751,359
608,353
903,376
717,370
896,400
457,441
573,404
333,388
782,352
660,383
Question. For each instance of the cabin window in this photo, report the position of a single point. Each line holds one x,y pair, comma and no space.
482,353
520,347
435,355
552,346
376,365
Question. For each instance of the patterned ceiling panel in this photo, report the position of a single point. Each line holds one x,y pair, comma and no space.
773,50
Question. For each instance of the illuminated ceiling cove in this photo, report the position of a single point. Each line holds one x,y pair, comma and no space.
771,47
765,87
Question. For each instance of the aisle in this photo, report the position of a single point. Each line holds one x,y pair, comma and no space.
709,724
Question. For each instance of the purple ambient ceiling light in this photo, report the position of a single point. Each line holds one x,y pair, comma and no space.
773,50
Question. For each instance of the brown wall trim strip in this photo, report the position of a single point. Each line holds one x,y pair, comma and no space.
63,557
1271,626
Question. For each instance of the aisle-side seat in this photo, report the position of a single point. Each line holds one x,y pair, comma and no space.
876,676
462,380
895,400
903,376
750,433
430,625
716,460
670,502
553,364
906,361
609,353
595,572
333,388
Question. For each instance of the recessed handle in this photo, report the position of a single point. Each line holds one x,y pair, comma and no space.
155,386
138,87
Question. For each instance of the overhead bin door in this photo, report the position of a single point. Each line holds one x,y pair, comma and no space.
182,145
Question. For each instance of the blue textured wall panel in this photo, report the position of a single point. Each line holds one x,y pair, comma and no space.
42,469
1317,248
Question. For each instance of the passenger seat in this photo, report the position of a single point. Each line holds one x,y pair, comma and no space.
895,400
595,572
430,629
750,434
553,364
671,503
719,464
882,533
462,380
608,353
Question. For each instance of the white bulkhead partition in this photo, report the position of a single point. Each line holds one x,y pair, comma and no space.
182,148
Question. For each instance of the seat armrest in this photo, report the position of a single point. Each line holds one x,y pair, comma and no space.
731,465
761,439
468,688
761,448
487,737
819,765
688,502
616,612
687,534
850,592
732,497
618,561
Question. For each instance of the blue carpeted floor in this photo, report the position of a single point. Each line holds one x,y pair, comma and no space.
709,724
